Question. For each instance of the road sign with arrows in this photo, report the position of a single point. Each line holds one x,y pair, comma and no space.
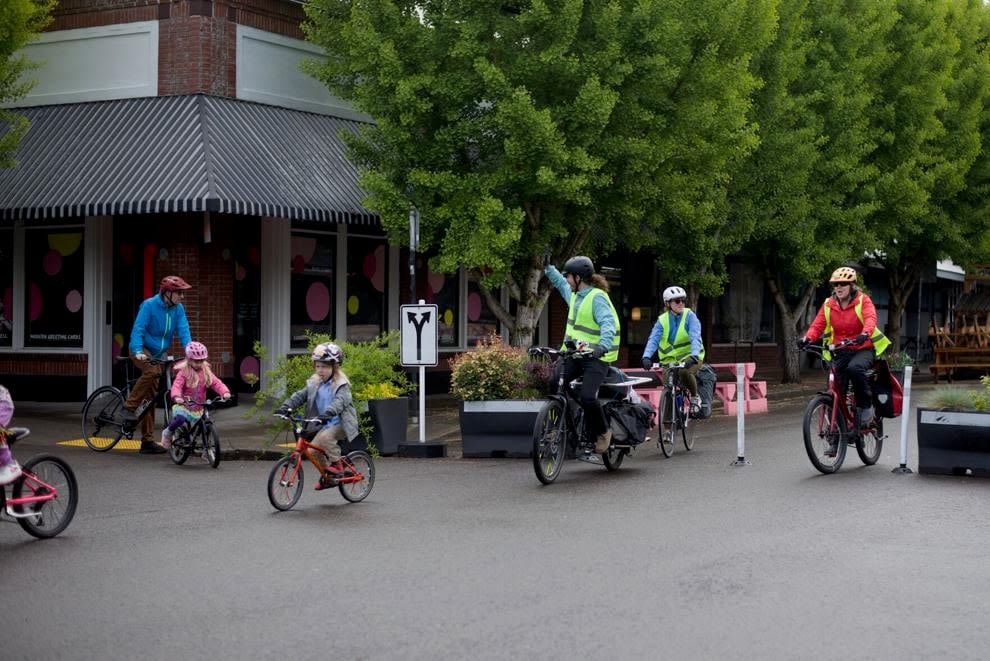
419,335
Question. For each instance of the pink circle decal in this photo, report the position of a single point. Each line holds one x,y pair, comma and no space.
304,247
34,301
52,262
318,301
250,367
474,306
8,298
436,281
378,279
298,264
368,266
73,301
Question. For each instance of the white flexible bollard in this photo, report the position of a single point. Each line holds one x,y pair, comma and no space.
905,421
741,397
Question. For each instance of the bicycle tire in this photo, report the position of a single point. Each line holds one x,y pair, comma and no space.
355,492
870,445
181,446
103,410
613,458
284,489
549,441
52,516
687,424
666,424
817,435
211,442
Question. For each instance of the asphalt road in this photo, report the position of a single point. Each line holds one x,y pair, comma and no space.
681,558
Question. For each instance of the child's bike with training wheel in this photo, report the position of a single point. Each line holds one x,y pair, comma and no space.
285,481
199,437
43,499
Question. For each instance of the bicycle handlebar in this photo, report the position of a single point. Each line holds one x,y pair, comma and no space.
293,418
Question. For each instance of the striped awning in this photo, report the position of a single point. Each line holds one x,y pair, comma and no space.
182,153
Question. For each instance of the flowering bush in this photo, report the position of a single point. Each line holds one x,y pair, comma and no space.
495,371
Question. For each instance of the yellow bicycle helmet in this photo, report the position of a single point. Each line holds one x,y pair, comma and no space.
842,275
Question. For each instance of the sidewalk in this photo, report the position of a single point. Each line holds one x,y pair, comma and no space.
58,422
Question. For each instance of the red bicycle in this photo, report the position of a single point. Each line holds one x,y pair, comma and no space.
43,499
830,421
285,482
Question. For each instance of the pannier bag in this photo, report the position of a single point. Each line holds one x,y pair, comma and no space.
888,395
706,389
629,422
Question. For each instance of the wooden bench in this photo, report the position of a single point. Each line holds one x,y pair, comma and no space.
948,358
755,391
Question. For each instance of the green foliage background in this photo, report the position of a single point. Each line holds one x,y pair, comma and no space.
19,21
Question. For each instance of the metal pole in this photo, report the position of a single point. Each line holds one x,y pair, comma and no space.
422,404
741,398
905,420
413,247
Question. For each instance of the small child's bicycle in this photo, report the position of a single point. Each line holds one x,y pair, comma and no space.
199,437
285,482
43,499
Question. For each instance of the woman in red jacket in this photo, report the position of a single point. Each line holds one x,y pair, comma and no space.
850,314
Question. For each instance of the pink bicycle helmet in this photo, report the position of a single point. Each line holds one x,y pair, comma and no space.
196,351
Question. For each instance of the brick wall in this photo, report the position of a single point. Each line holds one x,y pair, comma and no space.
32,363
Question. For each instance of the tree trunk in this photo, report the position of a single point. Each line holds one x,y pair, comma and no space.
530,296
789,358
901,282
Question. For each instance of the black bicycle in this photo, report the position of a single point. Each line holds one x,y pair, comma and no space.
199,437
560,429
674,417
103,422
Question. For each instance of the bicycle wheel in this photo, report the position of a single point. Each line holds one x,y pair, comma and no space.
211,441
549,441
666,423
51,516
613,458
826,446
103,419
181,445
870,444
285,483
355,492
687,423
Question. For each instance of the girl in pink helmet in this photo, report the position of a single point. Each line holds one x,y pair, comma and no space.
192,377
10,470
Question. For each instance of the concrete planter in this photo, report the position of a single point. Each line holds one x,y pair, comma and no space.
953,442
499,428
389,418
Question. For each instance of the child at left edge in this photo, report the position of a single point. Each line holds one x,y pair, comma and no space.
10,470
193,376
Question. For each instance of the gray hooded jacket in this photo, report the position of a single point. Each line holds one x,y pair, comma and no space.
342,403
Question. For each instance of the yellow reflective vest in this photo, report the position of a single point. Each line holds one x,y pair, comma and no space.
681,348
582,327
880,341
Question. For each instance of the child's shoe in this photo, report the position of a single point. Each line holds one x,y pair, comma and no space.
166,439
10,471
326,481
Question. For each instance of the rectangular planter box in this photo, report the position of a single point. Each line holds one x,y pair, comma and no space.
953,443
390,420
499,428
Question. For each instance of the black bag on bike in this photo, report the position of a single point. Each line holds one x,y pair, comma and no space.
629,422
706,389
888,396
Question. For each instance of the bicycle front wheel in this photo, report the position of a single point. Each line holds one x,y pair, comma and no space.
687,424
285,483
355,492
666,423
549,441
211,441
182,443
50,517
825,444
103,419
870,444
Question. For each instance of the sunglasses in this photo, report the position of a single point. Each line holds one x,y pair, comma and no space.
677,300
836,285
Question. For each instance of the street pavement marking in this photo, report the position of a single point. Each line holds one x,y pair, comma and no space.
123,444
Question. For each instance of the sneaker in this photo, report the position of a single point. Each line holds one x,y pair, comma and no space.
831,448
166,439
325,482
10,471
865,417
150,447
695,407
604,441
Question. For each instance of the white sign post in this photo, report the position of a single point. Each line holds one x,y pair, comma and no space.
418,324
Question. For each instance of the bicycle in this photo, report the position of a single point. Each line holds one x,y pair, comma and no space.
830,421
675,409
103,413
43,499
560,426
285,481
199,436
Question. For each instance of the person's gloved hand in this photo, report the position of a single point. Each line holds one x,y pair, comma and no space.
178,400
647,363
859,339
597,350
546,257
691,361
802,342
140,356
226,396
282,410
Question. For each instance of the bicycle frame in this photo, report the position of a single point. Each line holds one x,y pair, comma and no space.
305,449
840,400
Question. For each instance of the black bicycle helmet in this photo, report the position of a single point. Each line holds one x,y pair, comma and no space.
580,266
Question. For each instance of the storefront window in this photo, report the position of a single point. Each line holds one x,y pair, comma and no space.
6,287
311,286
53,260
367,276
481,321
443,291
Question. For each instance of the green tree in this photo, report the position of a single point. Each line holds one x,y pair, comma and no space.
19,21
574,124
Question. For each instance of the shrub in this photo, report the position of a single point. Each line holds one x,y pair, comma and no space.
899,360
492,370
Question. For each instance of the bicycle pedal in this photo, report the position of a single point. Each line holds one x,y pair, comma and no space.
590,458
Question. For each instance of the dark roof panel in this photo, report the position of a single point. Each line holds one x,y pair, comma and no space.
182,153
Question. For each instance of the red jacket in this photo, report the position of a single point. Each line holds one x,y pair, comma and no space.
845,323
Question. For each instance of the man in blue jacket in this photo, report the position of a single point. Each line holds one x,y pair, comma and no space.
158,319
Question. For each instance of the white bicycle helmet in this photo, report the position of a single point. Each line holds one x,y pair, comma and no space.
673,292
328,353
